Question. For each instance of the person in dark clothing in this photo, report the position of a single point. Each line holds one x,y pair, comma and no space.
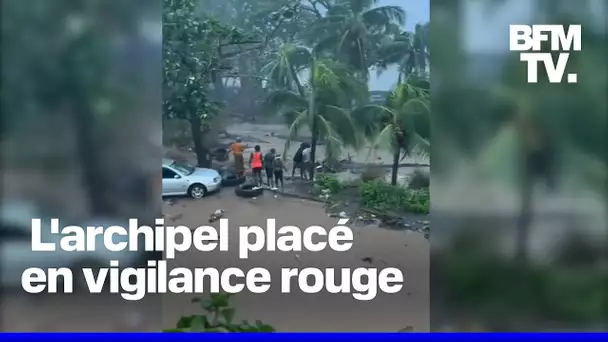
298,160
279,167
268,166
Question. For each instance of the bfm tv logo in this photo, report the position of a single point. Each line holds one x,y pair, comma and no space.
530,38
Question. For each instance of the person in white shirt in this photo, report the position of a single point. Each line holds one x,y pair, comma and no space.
306,162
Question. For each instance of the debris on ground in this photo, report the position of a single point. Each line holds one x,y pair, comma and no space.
368,260
343,214
218,214
333,206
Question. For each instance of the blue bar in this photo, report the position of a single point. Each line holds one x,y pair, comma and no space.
298,337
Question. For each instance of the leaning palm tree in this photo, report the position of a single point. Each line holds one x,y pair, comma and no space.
409,51
353,29
322,103
395,125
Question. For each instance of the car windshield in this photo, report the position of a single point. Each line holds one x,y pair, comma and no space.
182,168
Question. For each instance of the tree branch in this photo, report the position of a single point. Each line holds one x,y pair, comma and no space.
313,8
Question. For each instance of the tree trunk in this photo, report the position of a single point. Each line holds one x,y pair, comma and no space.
246,91
203,157
524,220
395,167
219,92
313,121
313,149
88,152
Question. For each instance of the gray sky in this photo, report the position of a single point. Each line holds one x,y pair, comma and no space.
418,12
486,29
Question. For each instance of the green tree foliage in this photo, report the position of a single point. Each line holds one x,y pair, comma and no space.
397,125
353,29
408,50
59,60
193,59
321,104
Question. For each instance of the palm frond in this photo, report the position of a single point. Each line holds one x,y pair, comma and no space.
333,141
284,63
413,107
418,146
346,128
284,99
325,75
385,139
369,118
300,120
337,79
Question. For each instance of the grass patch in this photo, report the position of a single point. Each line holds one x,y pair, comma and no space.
328,182
382,196
377,195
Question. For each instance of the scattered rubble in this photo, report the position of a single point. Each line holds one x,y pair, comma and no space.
218,214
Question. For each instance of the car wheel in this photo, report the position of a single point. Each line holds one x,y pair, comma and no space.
197,191
248,190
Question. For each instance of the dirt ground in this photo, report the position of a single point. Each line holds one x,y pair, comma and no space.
286,312
320,312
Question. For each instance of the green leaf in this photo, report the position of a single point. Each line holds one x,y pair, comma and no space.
185,322
200,323
262,327
220,300
228,314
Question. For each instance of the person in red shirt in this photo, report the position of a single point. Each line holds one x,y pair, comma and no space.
256,163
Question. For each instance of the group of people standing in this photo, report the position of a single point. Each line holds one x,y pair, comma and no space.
271,163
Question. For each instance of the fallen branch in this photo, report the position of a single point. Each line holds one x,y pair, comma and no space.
380,214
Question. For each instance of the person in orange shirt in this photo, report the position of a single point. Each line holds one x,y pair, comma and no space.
237,150
256,162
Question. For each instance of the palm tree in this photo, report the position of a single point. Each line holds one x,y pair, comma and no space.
408,50
322,103
353,29
551,131
396,124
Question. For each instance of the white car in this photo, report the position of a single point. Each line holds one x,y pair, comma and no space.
181,179
16,254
